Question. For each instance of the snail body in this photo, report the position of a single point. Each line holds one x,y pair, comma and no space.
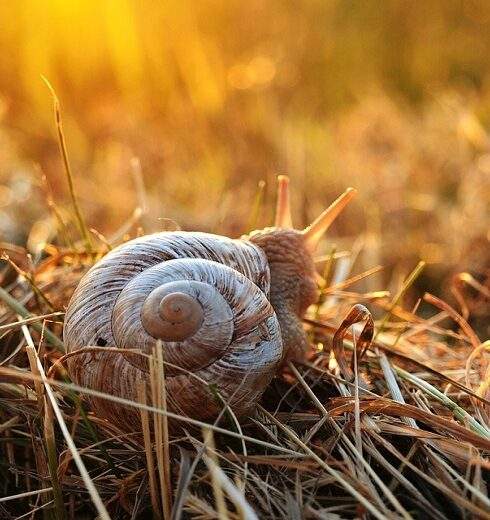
225,312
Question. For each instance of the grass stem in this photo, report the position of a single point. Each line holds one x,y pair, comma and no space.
66,162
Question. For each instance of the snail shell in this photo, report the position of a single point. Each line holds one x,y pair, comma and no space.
225,313
204,297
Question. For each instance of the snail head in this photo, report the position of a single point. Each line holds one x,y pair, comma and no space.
290,257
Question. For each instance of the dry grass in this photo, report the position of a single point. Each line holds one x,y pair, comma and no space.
389,415
388,418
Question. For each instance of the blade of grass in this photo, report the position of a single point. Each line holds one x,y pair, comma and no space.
20,374
186,470
89,484
459,413
436,484
29,321
22,311
29,278
256,207
160,424
349,344
64,154
60,223
50,439
139,184
145,422
211,462
437,302
354,449
223,482
332,472
405,286
398,477
472,489
42,464
26,494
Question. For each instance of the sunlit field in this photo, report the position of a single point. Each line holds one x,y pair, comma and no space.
120,118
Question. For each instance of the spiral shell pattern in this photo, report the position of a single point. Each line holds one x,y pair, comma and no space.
232,340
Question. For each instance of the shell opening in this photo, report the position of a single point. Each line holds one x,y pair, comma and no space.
172,316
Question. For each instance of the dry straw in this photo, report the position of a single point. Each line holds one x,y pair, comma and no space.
388,417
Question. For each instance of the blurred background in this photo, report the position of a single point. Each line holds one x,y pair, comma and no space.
215,96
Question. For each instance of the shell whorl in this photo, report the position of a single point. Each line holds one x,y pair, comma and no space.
203,296
231,306
170,314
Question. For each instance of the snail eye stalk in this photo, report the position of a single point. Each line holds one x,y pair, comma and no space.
283,218
314,232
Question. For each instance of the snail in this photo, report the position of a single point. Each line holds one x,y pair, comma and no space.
226,312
